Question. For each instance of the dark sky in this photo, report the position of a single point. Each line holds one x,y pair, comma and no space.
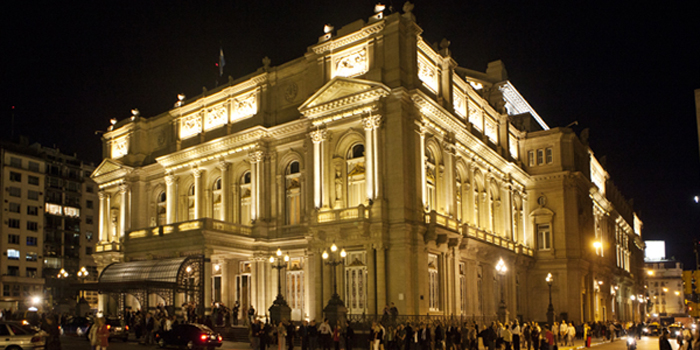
626,70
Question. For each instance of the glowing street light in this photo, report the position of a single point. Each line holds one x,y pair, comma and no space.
280,309
501,269
550,308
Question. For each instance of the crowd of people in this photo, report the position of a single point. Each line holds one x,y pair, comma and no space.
387,334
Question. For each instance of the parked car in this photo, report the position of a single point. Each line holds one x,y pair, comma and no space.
190,335
13,335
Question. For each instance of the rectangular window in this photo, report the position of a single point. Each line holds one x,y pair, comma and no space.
15,162
13,223
14,207
544,237
33,166
88,250
89,189
31,272
13,254
32,210
13,239
15,191
89,204
88,220
6,290
32,226
33,180
549,156
31,241
531,158
33,195
15,177
13,271
540,156
32,257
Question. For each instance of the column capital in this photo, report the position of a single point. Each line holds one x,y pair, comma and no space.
223,165
371,121
256,156
123,188
317,136
197,171
170,179
101,195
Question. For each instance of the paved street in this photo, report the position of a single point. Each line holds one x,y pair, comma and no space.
73,343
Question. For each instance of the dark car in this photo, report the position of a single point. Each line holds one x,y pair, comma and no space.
76,326
117,328
652,329
191,336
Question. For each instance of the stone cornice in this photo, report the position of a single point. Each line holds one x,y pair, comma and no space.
359,35
428,51
239,142
110,173
359,94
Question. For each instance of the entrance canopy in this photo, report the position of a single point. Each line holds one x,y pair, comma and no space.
148,272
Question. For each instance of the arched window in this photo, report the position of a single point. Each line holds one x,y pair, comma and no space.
245,198
430,180
161,208
293,194
217,193
190,203
356,175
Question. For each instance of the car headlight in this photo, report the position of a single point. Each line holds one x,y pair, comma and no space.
645,330
630,341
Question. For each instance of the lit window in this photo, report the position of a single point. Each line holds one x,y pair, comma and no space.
544,237
31,257
13,254
53,209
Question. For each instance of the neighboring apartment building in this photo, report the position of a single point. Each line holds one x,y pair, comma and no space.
50,203
425,173
665,289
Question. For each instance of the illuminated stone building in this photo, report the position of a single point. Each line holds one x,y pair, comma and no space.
48,201
425,173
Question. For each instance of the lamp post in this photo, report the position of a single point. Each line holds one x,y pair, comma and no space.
502,310
62,275
82,274
279,310
550,308
189,286
335,310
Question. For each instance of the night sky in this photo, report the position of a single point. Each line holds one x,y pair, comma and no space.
626,70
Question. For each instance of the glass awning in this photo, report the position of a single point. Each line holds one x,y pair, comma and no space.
165,270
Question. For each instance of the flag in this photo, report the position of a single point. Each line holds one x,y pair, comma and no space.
222,61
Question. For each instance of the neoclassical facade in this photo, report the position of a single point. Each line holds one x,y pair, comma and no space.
425,173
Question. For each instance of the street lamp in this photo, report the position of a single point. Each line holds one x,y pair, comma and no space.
335,310
279,309
502,311
82,274
550,308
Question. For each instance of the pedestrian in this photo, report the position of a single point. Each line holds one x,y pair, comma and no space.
570,334
664,344
349,336
50,326
507,337
313,335
325,332
515,330
251,314
236,308
281,336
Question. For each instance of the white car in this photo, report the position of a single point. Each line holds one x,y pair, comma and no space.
13,335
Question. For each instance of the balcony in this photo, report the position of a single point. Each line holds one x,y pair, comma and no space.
185,226
341,215
473,232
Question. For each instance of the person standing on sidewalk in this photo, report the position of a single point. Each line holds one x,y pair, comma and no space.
664,344
563,331
571,334
515,329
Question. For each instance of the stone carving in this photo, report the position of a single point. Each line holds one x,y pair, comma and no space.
427,73
190,125
352,64
371,122
290,93
318,135
120,146
215,117
338,184
243,107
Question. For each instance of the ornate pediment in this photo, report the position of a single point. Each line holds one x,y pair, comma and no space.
109,171
342,94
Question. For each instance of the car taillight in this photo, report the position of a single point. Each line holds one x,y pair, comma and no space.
203,337
127,327
219,338
108,326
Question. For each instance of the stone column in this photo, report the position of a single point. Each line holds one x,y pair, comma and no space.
255,175
123,210
318,137
381,277
421,154
450,181
171,199
225,185
102,217
371,285
197,174
371,124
